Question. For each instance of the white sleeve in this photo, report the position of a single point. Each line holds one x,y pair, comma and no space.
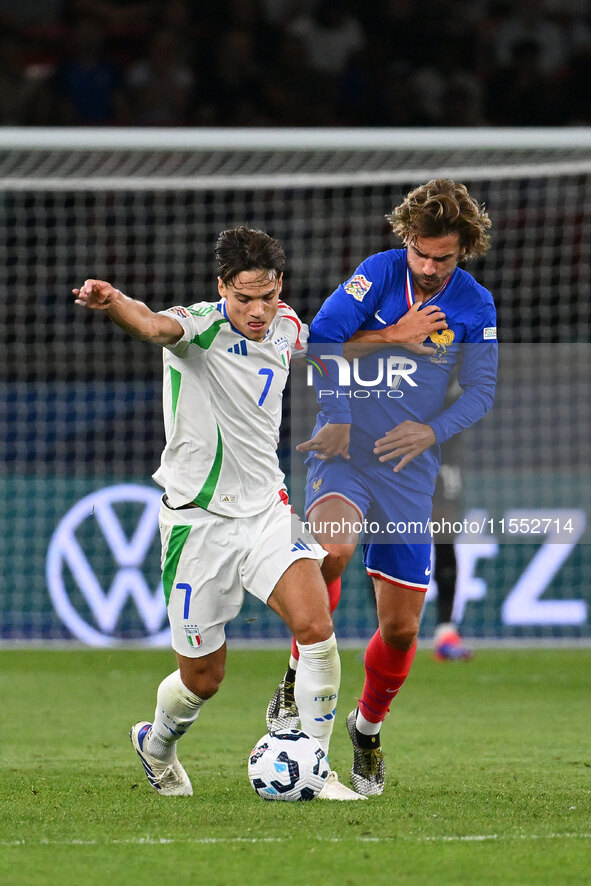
182,316
195,320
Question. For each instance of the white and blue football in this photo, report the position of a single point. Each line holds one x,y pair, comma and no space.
288,765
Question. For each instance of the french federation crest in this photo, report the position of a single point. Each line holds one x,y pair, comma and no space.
442,339
358,286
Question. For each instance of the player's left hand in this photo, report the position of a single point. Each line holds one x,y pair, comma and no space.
405,441
96,294
331,440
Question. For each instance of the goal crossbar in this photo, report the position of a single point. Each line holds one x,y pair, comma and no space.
294,139
293,180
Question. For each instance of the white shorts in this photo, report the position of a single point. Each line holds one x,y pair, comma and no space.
208,561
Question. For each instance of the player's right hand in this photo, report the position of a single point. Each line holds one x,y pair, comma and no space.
330,441
96,294
417,325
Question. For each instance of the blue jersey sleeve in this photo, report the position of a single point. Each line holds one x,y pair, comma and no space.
477,376
352,304
484,322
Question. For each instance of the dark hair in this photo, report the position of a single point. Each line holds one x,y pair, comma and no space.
245,249
439,208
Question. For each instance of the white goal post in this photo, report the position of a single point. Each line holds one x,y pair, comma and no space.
281,157
80,411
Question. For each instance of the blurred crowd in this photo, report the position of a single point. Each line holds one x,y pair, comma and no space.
295,62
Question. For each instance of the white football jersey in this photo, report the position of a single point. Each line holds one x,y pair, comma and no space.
222,410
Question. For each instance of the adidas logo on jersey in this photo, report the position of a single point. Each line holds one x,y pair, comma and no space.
300,546
239,348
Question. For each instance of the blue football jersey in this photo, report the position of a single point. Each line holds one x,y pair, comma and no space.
393,384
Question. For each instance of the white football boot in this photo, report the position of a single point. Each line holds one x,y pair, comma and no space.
334,790
166,776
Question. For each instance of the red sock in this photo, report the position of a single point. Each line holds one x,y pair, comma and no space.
334,595
386,669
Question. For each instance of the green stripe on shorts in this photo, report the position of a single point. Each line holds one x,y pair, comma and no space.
178,537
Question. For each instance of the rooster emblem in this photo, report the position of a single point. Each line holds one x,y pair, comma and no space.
442,340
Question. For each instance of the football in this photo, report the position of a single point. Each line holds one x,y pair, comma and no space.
287,765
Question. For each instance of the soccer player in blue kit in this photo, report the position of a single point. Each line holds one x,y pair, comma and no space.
413,315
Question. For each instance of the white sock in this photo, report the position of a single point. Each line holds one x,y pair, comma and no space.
316,688
366,727
176,709
293,663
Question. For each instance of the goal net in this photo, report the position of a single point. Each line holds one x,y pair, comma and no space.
81,414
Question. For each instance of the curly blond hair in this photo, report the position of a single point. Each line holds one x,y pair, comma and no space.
439,208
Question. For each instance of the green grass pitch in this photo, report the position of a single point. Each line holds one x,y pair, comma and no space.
488,778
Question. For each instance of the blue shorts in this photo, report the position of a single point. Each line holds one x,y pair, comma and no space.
394,520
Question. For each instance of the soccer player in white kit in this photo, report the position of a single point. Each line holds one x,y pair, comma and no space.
225,522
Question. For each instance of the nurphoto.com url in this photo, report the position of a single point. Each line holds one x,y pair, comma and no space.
485,525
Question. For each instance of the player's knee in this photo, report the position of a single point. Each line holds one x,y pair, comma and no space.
336,561
400,634
203,682
314,630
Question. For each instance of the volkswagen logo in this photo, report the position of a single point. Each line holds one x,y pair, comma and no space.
100,559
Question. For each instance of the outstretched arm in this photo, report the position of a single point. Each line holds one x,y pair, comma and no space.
133,316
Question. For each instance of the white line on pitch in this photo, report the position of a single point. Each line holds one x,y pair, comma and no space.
203,841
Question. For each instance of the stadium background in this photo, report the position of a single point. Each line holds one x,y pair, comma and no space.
81,409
